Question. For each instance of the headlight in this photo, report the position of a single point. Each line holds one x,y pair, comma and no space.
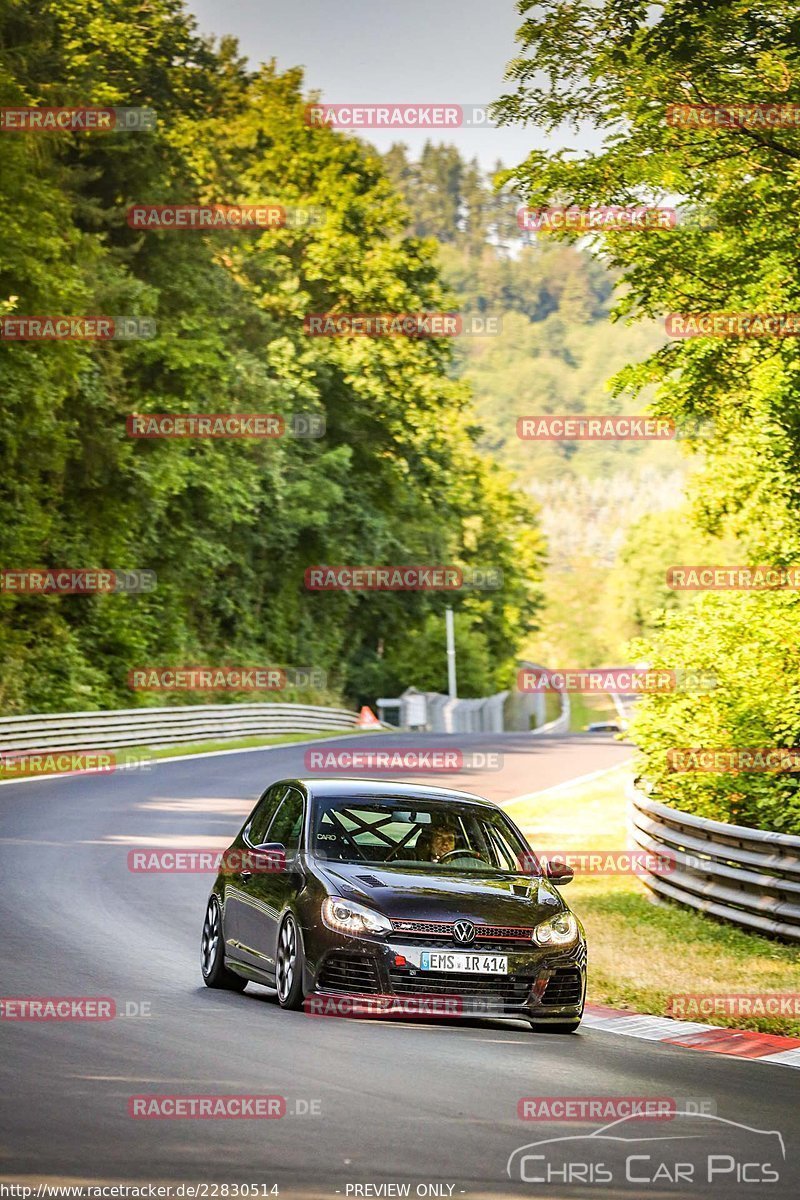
558,931
345,916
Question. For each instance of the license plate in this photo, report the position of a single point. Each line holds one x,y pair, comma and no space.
473,964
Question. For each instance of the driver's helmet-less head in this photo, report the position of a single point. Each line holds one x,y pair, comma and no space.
439,837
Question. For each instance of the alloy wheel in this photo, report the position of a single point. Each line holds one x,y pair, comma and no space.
209,944
286,966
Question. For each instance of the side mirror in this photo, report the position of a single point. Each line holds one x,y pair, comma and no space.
559,872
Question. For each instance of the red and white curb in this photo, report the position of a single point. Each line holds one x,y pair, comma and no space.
713,1039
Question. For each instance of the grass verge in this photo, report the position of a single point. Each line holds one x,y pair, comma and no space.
277,739
593,706
642,953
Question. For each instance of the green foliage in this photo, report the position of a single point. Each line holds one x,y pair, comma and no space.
420,657
555,354
450,200
638,592
556,350
749,643
559,364
229,527
619,67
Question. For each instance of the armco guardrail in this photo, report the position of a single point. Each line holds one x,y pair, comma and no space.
163,726
508,711
746,876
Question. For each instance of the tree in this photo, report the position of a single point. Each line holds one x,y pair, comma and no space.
229,527
743,650
620,68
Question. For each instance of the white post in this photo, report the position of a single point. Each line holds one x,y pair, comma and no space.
451,654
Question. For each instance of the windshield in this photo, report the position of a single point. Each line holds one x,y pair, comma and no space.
432,837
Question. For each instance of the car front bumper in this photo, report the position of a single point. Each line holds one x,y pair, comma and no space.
544,984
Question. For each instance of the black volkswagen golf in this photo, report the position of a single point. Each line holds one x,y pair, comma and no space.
369,888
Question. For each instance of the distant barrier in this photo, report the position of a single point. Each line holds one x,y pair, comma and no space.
165,726
749,877
504,712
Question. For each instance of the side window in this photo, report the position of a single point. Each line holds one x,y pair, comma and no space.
287,824
265,811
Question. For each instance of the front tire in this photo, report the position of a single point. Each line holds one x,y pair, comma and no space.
212,952
289,965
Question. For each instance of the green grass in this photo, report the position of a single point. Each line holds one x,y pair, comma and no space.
246,743
552,707
594,706
640,952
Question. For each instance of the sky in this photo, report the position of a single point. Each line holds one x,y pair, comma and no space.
375,51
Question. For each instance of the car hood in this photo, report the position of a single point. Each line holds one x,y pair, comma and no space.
409,894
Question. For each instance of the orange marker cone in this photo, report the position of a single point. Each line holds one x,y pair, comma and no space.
367,719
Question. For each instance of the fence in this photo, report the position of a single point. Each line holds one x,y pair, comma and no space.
746,876
164,726
509,711
465,716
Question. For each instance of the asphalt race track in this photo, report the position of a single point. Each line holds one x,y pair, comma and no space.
368,1102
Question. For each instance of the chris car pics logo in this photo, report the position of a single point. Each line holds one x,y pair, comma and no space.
698,1154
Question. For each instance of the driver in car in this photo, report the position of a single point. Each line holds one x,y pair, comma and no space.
438,840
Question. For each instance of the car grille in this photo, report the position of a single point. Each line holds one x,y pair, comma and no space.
441,983
489,947
348,973
563,988
423,931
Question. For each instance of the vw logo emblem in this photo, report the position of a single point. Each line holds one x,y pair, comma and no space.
464,932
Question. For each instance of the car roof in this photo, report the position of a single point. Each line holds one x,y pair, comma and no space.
347,788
